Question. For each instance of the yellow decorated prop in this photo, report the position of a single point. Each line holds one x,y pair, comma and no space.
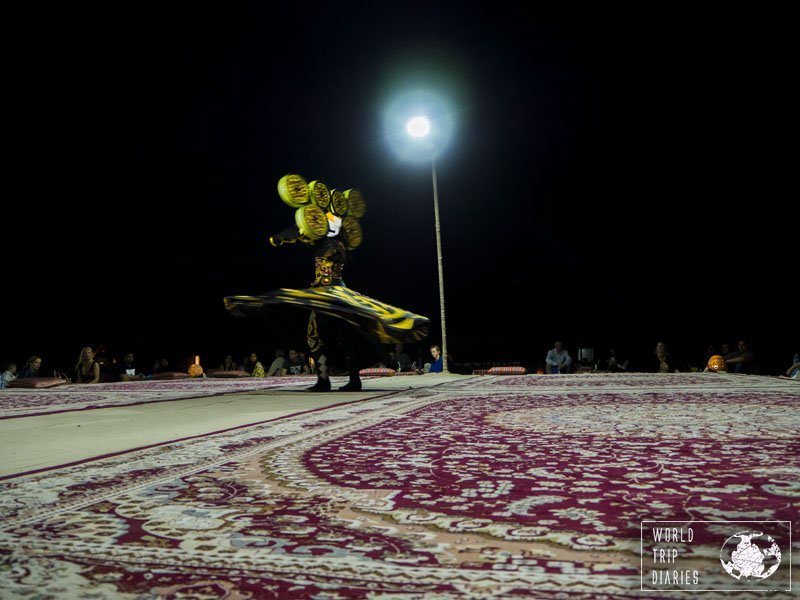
320,194
353,236
717,363
355,203
338,203
311,221
314,203
293,190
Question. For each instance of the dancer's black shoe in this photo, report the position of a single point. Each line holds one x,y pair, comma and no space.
322,385
354,385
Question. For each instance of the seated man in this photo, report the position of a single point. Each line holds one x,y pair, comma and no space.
401,358
558,360
295,365
127,370
742,360
437,366
276,369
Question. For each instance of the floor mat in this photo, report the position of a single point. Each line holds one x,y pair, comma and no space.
488,487
29,403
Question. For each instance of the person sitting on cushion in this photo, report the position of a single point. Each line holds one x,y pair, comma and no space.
10,374
254,367
87,370
227,364
32,368
558,359
127,371
437,366
276,369
295,365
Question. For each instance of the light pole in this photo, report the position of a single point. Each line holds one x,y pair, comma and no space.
420,127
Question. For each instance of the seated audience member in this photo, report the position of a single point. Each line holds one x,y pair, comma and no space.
278,365
613,363
161,366
127,370
31,368
87,369
437,366
228,364
254,367
663,361
794,370
295,365
402,359
558,359
9,374
741,360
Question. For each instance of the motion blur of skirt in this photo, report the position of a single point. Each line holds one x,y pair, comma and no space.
388,324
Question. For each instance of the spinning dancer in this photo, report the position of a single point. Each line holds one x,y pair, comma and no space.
327,220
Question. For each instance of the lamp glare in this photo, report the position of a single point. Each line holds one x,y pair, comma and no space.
418,126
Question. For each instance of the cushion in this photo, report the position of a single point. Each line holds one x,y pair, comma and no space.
507,371
480,371
227,374
171,375
377,372
36,382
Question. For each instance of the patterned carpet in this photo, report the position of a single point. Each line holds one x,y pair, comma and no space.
15,403
494,486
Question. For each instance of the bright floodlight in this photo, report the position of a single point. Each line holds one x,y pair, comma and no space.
418,126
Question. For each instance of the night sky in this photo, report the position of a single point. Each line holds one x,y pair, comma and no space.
617,176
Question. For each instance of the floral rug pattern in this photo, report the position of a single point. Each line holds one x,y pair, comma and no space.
465,490
627,380
16,403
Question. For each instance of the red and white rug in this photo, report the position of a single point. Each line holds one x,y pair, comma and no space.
493,486
15,403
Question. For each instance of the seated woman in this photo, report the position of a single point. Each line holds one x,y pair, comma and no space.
87,370
664,362
228,364
254,367
32,368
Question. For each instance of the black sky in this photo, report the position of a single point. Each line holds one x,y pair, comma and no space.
619,175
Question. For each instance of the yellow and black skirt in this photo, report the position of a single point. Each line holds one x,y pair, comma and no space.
387,324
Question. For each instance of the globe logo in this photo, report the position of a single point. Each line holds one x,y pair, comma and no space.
750,555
